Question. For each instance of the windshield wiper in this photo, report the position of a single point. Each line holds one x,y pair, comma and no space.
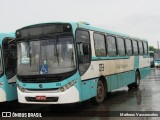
29,49
56,49
29,54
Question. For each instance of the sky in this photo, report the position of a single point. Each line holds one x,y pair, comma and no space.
139,18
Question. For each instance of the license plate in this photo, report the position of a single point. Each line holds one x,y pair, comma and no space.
40,97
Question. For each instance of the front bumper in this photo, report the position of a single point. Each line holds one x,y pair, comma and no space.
69,96
2,95
157,64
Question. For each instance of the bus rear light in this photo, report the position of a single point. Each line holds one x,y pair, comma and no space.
67,86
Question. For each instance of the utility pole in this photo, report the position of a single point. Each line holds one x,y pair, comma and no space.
158,45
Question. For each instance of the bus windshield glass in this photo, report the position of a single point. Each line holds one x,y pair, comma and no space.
47,56
158,61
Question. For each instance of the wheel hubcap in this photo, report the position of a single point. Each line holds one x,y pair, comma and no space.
100,91
138,81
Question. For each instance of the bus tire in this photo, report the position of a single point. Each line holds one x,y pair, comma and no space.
101,93
136,83
130,86
137,80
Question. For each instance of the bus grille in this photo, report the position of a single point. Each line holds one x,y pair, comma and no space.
50,89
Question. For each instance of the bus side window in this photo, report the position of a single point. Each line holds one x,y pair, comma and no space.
140,48
111,46
121,46
135,47
145,45
100,48
128,47
83,50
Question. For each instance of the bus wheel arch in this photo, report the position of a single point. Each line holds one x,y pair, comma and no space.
136,83
101,90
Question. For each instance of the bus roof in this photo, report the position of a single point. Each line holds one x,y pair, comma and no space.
4,35
86,25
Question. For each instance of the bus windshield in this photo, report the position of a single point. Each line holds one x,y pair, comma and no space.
158,61
47,56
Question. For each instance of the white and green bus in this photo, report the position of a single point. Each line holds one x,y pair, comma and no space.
8,58
62,63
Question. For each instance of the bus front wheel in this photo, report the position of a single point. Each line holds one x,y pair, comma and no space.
101,93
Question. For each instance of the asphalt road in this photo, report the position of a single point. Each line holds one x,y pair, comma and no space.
123,100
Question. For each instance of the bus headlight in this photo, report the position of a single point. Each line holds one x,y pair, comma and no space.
21,88
67,86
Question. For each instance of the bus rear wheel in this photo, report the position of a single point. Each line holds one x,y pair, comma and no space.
137,81
101,93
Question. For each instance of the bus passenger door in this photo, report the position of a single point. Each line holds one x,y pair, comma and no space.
84,58
2,80
9,58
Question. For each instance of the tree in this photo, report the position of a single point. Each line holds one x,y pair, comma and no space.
151,48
